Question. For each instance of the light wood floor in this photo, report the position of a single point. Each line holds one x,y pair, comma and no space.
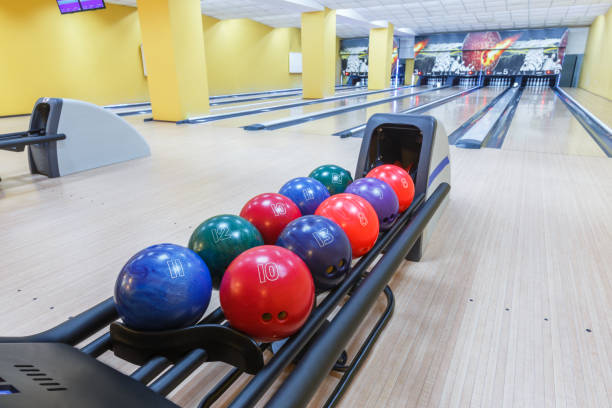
600,106
495,315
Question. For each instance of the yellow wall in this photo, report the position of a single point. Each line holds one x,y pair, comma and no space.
596,75
95,56
244,55
92,56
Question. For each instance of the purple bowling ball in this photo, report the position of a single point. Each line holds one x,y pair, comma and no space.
380,195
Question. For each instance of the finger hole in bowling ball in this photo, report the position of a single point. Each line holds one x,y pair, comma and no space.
282,315
266,317
342,263
330,270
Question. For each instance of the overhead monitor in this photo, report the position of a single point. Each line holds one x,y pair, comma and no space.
73,6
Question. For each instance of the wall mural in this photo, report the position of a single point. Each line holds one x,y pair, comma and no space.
354,59
512,52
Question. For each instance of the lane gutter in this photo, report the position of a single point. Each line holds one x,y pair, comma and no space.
497,136
599,131
210,118
461,130
476,138
356,131
294,90
283,123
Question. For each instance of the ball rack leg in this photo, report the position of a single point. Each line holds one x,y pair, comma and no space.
363,352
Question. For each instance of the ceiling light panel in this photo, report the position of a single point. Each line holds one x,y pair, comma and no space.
421,16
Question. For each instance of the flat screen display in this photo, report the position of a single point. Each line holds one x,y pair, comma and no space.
92,4
72,6
69,6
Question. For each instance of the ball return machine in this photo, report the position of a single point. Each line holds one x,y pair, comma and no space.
67,136
47,370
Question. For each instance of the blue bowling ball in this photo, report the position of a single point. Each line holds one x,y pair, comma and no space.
322,245
163,287
381,196
306,192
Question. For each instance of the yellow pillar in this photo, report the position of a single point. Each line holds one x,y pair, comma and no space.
318,53
379,59
409,71
173,44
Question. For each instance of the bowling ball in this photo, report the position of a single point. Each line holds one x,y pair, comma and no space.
356,217
270,213
220,239
267,292
399,180
306,192
322,245
333,177
163,287
381,196
475,46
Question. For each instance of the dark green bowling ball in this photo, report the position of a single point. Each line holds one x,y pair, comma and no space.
333,177
220,239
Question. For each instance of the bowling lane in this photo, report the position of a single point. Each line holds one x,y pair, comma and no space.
458,110
542,123
230,107
336,123
255,104
240,106
280,96
597,105
14,124
301,110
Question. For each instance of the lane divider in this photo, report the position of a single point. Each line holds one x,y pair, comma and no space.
296,120
478,134
460,131
210,118
356,131
238,95
599,131
497,136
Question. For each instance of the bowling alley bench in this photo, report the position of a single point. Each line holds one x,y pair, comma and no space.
47,370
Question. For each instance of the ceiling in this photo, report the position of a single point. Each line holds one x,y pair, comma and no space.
356,17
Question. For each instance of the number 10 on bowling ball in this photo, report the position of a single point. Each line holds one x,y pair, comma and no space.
267,292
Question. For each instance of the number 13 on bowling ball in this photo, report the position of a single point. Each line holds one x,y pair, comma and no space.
267,292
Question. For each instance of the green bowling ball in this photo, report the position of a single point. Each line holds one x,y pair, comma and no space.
220,239
333,177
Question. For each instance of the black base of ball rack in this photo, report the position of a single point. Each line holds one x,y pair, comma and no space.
46,370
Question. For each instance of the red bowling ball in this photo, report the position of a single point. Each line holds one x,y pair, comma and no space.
356,217
399,180
270,213
267,292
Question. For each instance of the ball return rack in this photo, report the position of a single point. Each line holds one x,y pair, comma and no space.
66,136
47,370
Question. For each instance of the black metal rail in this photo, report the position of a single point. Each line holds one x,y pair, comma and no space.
362,286
73,330
363,352
16,141
255,389
304,380
262,381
